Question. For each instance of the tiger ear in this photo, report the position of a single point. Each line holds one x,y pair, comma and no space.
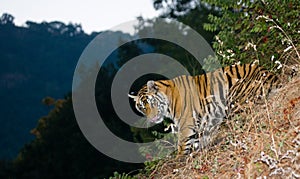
151,87
133,97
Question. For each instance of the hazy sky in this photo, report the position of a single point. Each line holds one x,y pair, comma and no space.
93,15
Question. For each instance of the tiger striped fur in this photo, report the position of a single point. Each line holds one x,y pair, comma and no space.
198,104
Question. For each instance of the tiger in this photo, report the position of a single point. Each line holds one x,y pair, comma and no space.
197,105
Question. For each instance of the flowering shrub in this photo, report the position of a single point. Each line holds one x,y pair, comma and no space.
264,30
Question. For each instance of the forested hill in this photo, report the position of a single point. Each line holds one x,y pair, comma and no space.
37,60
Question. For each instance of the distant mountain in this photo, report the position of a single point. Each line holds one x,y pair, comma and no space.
36,61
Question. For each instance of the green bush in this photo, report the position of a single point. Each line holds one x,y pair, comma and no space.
121,176
264,30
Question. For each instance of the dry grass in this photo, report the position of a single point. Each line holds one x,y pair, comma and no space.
262,142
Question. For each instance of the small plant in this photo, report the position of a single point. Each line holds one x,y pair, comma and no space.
161,138
122,176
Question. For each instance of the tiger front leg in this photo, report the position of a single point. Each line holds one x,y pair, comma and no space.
187,140
197,134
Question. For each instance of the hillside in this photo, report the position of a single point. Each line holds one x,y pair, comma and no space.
263,141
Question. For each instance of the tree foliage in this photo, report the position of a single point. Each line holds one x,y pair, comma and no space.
60,150
190,12
175,9
37,60
246,30
6,19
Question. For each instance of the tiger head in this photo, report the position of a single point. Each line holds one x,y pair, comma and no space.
151,102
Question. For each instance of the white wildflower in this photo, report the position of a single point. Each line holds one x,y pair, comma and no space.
272,58
250,45
229,51
219,40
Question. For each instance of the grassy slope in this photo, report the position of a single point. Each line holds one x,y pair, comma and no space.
262,141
